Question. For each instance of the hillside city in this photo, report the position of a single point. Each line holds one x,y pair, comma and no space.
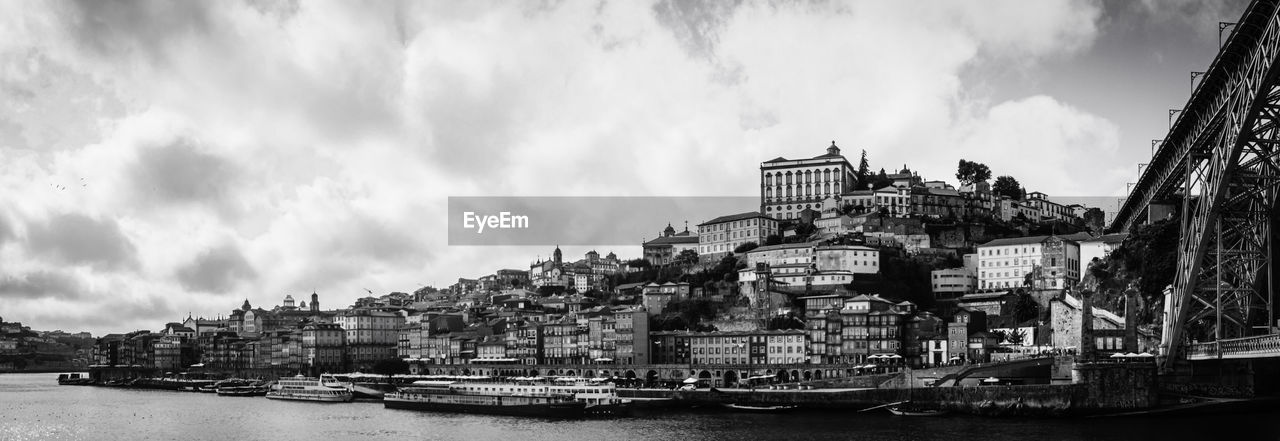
841,265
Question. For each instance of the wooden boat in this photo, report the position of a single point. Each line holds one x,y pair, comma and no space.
759,409
909,411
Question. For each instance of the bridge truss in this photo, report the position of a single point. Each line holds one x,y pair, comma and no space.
1221,163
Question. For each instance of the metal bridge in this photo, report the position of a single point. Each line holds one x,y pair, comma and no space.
1217,169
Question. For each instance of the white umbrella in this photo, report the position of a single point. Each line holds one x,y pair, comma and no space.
874,356
894,356
690,380
1145,355
1118,355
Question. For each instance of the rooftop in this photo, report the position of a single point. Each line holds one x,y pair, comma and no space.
734,217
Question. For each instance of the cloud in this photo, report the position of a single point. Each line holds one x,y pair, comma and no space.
41,284
77,239
181,172
322,138
217,270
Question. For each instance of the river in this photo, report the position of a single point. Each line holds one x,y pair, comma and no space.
34,407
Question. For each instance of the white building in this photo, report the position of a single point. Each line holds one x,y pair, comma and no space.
718,237
1005,263
795,265
952,282
1099,248
789,186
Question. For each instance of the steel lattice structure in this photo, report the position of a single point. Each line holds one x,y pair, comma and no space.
1219,162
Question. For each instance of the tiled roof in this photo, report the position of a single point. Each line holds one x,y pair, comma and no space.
733,217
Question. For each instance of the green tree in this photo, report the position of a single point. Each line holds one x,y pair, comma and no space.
969,172
745,247
1007,186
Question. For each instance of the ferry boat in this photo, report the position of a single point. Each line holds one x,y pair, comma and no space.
74,378
600,397
324,389
487,398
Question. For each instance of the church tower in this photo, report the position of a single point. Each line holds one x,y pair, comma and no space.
556,256
315,302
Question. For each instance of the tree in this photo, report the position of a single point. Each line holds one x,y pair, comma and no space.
1025,308
864,172
745,247
687,258
1007,186
969,172
881,180
773,239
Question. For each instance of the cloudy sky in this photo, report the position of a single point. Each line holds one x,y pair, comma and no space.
160,158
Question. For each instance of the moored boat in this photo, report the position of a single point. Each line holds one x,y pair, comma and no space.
907,410
759,409
74,379
300,388
485,398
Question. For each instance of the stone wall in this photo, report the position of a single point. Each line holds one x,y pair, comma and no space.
1117,385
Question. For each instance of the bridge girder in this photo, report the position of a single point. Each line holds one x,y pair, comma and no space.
1222,155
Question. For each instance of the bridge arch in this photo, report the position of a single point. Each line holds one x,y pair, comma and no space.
730,378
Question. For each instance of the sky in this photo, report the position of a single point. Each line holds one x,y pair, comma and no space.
160,159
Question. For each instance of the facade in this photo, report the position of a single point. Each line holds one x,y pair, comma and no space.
1051,261
747,348
664,249
806,266
372,335
631,332
1099,248
720,236
788,187
655,297
324,348
952,282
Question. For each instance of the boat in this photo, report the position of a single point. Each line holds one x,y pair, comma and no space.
908,410
486,398
759,409
324,389
241,388
600,397
74,379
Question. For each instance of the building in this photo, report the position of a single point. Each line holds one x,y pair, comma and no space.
664,249
372,335
788,187
323,348
747,348
1046,210
1099,248
631,331
720,236
1051,261
952,282
806,266
656,297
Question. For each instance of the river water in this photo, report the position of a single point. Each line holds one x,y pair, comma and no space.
34,407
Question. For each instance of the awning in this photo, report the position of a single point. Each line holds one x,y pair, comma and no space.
604,359
690,380
198,365
990,380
